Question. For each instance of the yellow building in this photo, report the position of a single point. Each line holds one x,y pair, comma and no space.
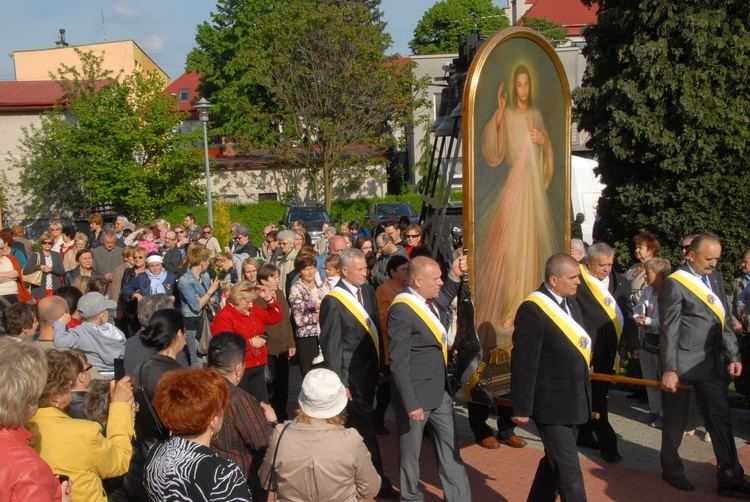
124,55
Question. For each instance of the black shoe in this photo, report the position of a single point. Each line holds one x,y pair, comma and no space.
739,488
611,458
380,430
589,443
680,482
389,492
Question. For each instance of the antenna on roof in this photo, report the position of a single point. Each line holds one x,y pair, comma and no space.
104,28
61,42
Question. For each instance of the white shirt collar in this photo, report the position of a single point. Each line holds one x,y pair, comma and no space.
557,297
350,286
420,297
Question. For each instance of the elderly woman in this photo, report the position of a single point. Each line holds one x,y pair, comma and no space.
80,242
286,258
280,345
165,335
85,268
126,303
69,244
317,459
50,263
197,291
247,423
646,247
77,448
305,305
12,289
191,403
247,320
155,281
26,476
15,249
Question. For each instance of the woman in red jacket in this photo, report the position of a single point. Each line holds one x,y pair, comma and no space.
241,316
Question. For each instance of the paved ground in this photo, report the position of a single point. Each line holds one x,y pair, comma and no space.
505,474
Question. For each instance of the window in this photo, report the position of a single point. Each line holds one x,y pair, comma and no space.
266,196
184,94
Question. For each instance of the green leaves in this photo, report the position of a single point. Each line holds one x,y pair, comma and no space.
114,141
444,23
665,100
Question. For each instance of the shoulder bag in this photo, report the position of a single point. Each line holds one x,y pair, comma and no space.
272,484
35,278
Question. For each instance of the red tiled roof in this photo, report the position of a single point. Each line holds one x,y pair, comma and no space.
570,13
36,95
188,81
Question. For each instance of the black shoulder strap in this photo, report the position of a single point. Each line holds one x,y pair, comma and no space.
160,429
272,473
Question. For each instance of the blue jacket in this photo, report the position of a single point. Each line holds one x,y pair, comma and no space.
190,288
141,284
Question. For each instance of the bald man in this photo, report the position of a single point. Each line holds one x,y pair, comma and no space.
50,309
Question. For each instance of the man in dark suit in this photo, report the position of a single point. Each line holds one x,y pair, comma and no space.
351,341
418,347
604,298
699,347
550,378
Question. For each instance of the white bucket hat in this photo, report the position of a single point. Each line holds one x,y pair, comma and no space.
322,395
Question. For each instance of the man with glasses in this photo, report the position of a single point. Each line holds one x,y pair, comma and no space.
108,256
386,250
244,248
191,228
172,256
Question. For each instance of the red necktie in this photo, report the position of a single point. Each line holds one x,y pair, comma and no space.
359,297
431,307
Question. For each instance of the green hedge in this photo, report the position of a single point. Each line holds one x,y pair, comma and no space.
257,216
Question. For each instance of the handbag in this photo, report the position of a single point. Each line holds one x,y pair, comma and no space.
271,484
203,333
34,278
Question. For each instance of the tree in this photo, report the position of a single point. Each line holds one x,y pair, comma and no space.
112,140
329,107
556,34
440,28
665,100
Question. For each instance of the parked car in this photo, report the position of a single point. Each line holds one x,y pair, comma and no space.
313,216
385,209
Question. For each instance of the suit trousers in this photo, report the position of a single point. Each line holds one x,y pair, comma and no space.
478,415
649,369
559,471
711,395
602,427
443,433
382,396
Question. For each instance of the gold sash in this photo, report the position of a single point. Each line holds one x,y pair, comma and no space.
607,302
572,330
695,286
438,331
359,312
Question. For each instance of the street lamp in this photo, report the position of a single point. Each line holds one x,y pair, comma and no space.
203,106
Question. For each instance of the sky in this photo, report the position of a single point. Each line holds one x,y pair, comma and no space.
164,29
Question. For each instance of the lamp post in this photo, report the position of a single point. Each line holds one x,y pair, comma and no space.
203,106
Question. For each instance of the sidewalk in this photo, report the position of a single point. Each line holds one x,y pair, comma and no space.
505,474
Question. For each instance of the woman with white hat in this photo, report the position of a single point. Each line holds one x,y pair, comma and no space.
314,458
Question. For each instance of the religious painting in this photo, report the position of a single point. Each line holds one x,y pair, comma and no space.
517,150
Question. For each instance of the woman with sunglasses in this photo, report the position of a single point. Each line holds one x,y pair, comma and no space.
50,263
208,240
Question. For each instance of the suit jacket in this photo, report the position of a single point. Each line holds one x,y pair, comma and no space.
418,368
72,275
600,327
173,260
692,341
347,347
550,380
107,261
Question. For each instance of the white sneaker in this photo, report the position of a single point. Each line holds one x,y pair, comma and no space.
318,359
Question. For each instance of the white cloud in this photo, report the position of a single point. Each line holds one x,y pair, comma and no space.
127,13
155,43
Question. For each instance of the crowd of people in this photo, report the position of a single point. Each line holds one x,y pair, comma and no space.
154,363
157,362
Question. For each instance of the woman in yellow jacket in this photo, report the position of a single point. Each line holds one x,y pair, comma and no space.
78,448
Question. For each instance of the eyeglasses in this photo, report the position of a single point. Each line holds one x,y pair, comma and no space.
206,231
47,243
87,368
179,232
412,236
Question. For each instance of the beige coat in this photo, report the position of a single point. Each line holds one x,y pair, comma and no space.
320,462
